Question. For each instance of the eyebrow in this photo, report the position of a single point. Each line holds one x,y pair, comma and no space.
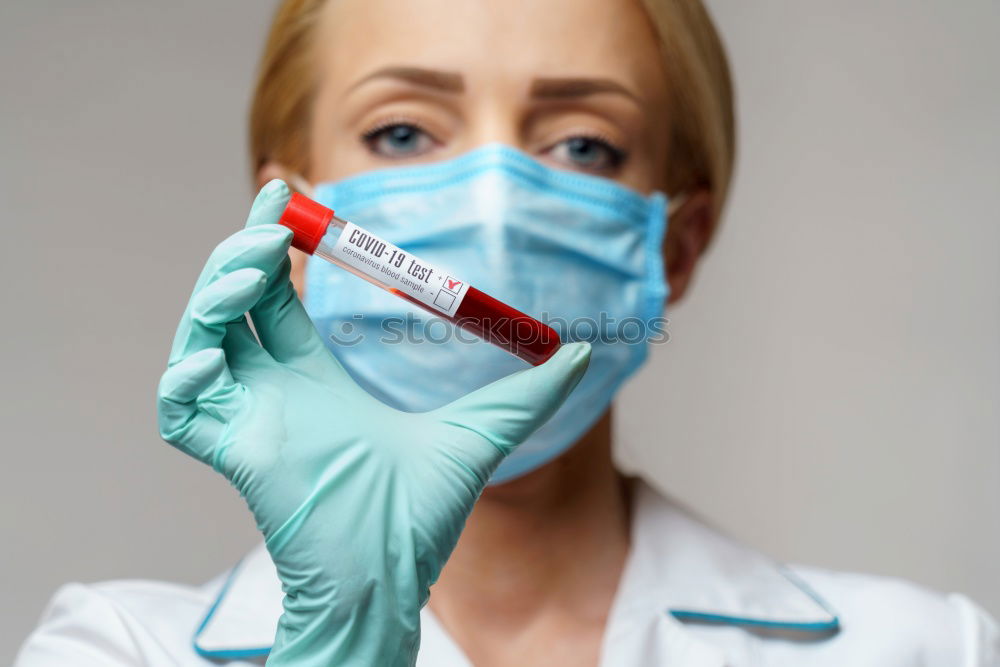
450,82
544,88
550,88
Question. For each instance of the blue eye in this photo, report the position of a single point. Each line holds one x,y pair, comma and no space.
398,140
588,153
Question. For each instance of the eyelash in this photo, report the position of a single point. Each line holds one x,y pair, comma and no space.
369,135
617,154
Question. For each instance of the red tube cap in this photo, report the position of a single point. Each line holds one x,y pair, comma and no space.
308,220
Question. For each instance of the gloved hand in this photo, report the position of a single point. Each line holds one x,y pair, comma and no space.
360,505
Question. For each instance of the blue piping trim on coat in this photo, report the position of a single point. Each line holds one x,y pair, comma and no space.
832,625
817,626
225,654
683,615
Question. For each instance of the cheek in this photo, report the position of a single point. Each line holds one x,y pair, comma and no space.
669,247
646,168
645,172
344,161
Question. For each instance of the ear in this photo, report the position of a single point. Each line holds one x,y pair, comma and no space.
688,234
269,171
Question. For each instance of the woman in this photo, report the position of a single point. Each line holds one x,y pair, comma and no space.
527,143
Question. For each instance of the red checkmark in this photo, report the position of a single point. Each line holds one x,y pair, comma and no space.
453,284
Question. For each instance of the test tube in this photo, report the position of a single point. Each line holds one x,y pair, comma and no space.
318,232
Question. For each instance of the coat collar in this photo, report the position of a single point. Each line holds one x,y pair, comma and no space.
678,565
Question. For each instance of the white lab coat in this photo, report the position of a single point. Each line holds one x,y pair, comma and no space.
689,597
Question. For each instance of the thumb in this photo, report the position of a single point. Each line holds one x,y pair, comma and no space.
509,410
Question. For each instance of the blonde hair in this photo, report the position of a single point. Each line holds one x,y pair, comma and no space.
703,133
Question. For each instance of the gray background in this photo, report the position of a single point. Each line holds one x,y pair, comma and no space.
831,391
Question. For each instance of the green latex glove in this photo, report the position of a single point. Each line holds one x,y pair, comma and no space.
360,504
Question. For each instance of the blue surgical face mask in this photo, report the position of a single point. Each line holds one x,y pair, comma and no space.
579,252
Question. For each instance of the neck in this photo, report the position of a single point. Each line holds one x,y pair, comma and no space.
553,541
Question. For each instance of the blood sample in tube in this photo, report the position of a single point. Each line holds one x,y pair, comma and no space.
319,232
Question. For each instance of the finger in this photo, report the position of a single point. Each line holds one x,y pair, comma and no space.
260,248
509,410
245,355
285,329
223,398
269,204
259,245
181,423
203,325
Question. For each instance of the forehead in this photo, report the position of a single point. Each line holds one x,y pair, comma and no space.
492,40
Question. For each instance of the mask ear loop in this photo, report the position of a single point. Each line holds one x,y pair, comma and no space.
674,203
300,184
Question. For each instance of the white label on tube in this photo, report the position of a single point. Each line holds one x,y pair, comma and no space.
399,270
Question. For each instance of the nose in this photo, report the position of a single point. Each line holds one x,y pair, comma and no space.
495,118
